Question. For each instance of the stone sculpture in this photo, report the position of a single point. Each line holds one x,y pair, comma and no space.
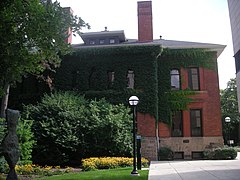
9,147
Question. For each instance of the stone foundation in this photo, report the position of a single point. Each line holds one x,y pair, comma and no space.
149,148
187,145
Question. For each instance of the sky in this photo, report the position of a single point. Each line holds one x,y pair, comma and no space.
204,21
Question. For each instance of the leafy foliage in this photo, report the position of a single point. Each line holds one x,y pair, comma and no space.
26,140
67,128
221,153
86,71
165,153
33,35
151,66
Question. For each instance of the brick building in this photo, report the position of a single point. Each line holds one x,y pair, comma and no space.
107,64
191,130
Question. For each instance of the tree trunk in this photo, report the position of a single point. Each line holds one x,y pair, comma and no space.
5,100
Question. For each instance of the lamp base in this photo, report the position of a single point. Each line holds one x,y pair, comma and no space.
135,173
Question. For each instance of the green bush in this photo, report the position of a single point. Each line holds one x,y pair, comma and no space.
221,153
26,140
68,127
165,153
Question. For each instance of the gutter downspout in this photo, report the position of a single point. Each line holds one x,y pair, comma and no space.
157,99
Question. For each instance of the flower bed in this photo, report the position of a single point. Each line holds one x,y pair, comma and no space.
108,163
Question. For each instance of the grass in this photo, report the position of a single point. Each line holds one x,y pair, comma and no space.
110,174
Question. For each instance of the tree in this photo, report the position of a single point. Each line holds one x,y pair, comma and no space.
32,39
229,107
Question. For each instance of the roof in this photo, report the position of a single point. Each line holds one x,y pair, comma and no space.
105,33
172,44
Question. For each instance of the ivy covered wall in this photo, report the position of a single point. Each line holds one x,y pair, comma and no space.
170,100
86,71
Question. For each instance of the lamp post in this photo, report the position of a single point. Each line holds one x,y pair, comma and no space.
133,101
228,120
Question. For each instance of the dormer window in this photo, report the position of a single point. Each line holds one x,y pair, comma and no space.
101,41
112,41
92,42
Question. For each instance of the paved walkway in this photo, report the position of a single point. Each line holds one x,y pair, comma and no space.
195,170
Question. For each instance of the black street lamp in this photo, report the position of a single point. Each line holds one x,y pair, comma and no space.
133,101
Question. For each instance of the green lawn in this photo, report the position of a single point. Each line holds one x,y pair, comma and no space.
112,174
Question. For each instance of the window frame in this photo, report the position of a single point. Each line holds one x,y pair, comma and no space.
195,118
92,42
102,41
130,77
181,124
179,79
111,78
190,79
112,41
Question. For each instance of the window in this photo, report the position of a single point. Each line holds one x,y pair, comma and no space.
196,122
130,77
101,41
175,79
193,79
178,155
112,41
197,155
110,78
92,42
177,124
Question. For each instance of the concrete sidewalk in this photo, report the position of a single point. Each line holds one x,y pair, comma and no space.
195,170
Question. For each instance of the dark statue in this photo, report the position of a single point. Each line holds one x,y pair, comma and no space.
9,147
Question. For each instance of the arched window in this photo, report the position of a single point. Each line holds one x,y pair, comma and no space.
175,79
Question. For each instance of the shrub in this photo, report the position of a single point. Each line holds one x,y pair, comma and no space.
68,127
165,153
26,140
221,153
109,163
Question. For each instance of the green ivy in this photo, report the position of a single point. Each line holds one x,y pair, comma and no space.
85,71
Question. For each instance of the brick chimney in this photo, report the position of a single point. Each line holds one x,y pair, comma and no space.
69,31
145,27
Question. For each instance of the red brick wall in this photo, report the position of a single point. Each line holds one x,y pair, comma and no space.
145,27
146,125
164,130
208,99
